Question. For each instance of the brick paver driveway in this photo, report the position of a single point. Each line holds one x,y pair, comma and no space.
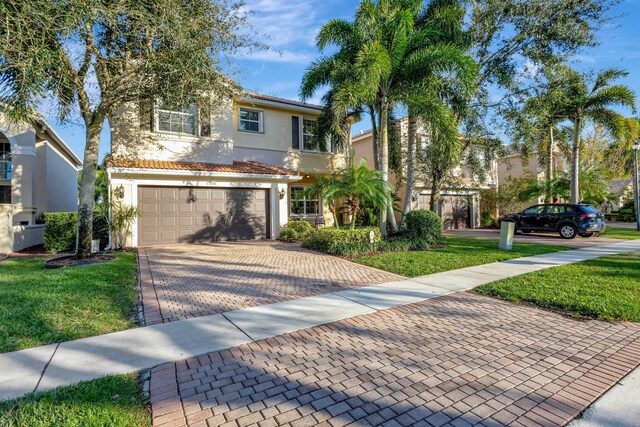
186,281
459,360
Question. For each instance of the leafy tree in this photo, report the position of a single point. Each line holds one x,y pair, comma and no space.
92,57
510,39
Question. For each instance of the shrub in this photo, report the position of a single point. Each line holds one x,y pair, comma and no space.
423,224
487,220
296,231
288,235
60,231
344,242
302,228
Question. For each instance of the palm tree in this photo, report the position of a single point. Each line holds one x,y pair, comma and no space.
591,100
356,186
378,53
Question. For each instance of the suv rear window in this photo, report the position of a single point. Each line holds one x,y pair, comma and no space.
589,209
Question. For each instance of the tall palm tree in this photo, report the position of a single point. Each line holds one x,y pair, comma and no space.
591,100
378,53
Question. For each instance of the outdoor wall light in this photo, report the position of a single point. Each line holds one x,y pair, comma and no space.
119,192
282,194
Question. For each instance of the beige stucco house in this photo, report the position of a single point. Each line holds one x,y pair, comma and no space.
38,174
515,165
459,205
227,175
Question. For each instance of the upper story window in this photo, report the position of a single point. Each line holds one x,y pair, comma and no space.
5,170
308,143
177,120
5,159
250,121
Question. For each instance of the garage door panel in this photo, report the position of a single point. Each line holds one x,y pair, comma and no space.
190,215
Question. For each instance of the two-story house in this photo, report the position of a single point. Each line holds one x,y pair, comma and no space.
38,174
232,174
514,165
459,204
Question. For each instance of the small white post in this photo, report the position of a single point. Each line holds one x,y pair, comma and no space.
507,230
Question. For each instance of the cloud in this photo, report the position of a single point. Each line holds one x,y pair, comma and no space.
284,21
279,56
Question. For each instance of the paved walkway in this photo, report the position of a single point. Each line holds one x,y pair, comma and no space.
54,365
622,224
200,280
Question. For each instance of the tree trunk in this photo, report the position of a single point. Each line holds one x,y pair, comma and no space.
374,139
87,190
435,196
383,128
349,145
411,164
549,172
575,162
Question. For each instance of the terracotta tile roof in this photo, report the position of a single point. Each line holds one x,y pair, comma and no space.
237,167
284,101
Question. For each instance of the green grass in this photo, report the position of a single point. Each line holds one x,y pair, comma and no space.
459,252
605,288
621,233
111,401
40,306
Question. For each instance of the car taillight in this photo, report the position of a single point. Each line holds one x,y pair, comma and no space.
584,215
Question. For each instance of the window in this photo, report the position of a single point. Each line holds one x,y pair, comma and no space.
307,134
534,210
304,205
5,170
250,121
5,159
177,120
555,209
5,194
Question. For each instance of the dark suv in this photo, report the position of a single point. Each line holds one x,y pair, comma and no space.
567,219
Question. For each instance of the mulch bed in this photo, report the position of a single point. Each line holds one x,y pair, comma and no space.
72,261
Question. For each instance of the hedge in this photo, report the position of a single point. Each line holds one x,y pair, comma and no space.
60,231
343,241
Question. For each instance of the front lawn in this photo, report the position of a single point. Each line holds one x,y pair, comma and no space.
459,252
40,306
621,233
605,288
111,401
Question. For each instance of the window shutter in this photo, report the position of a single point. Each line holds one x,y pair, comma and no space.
295,132
146,116
205,121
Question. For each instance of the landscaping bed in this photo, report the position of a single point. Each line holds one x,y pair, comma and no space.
452,253
605,288
41,306
110,401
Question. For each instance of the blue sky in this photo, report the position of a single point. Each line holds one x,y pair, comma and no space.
290,27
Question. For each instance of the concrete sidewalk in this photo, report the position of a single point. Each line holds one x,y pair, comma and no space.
133,350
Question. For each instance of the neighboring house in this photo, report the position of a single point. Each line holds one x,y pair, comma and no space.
515,165
460,200
38,174
622,191
228,175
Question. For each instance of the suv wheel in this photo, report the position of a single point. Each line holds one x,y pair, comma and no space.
568,231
